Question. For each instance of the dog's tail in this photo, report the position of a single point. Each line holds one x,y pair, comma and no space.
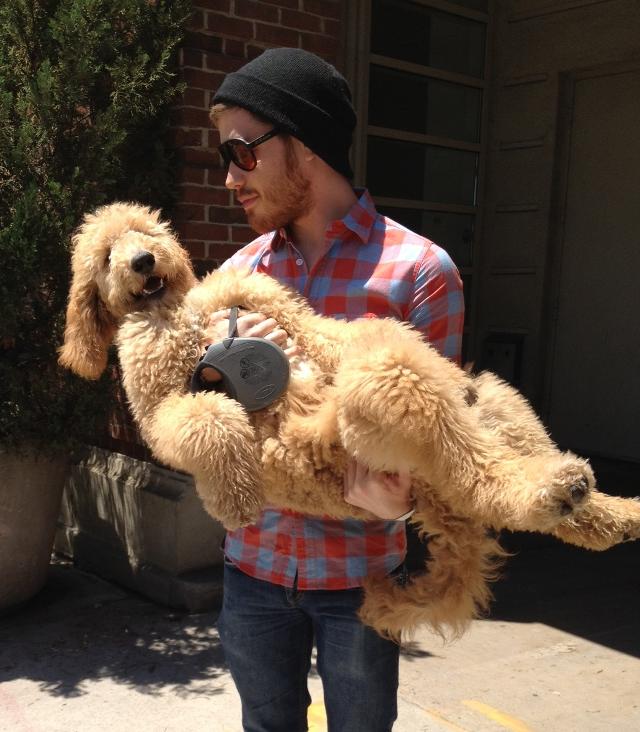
453,590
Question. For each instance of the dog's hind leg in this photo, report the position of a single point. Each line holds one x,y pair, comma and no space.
509,416
211,437
402,406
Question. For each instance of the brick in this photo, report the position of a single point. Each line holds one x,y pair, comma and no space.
205,231
276,35
226,215
184,212
193,98
189,117
242,234
220,62
256,11
224,26
232,47
327,8
303,21
324,46
187,138
216,176
283,3
221,250
205,194
188,174
201,79
191,57
254,51
331,28
222,6
221,196
195,249
213,139
198,157
203,41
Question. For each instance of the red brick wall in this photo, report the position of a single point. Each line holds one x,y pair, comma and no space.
222,36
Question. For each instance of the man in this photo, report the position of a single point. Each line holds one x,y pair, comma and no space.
286,123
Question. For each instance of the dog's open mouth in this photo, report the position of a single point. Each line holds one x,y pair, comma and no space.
153,286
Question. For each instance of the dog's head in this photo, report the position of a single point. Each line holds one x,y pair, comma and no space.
124,260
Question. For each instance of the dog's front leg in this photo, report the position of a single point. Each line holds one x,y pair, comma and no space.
211,437
602,522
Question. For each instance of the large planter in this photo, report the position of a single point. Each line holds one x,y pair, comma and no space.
143,526
30,492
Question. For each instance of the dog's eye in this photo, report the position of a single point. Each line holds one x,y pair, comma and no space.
107,259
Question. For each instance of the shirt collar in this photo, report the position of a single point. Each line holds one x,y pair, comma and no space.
359,220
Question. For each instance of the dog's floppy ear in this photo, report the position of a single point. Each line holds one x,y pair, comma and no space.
89,331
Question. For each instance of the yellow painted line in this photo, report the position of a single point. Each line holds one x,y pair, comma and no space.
317,717
444,721
505,720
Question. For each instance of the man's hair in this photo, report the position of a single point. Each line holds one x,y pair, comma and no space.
216,111
219,108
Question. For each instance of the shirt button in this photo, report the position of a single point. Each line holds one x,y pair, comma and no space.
299,262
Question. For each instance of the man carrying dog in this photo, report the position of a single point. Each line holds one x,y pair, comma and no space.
286,123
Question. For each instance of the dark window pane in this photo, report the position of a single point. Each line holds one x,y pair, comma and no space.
398,169
453,232
415,33
418,104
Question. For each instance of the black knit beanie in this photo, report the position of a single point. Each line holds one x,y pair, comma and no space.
302,95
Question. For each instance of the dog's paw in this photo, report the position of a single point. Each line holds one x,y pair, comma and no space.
566,489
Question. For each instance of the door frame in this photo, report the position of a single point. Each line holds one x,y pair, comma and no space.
567,81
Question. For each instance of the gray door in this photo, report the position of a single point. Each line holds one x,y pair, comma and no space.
594,403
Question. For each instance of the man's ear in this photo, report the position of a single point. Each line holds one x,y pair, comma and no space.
307,153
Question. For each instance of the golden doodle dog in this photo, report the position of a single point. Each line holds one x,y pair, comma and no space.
479,457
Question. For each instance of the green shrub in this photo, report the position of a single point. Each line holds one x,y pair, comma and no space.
85,93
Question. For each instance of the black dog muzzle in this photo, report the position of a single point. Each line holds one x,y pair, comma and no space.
255,372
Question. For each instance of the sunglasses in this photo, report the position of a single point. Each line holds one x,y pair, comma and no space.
241,152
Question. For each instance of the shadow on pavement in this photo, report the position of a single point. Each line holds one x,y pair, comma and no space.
595,595
80,628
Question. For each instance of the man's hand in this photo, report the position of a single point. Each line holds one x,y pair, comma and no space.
385,495
249,325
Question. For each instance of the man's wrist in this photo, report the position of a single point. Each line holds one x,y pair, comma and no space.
406,515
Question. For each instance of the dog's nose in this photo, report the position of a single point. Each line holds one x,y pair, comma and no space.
143,262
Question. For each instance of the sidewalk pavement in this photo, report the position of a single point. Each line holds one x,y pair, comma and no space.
559,654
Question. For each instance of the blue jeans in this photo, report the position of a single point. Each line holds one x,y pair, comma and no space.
267,633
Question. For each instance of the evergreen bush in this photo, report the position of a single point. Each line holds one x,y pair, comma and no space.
85,93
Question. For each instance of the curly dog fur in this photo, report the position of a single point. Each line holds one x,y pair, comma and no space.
479,457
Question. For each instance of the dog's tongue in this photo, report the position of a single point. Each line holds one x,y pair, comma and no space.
151,285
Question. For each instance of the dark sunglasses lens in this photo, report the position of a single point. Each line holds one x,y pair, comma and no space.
225,154
242,155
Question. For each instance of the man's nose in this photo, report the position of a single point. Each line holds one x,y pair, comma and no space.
143,262
235,177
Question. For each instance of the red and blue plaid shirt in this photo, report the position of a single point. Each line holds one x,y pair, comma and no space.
371,266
